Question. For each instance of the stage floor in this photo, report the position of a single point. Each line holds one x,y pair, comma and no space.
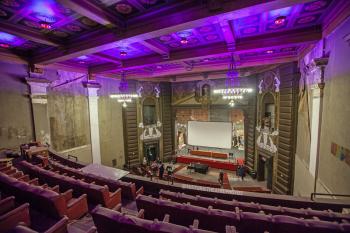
213,175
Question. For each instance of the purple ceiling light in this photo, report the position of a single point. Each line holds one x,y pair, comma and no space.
280,20
184,40
124,96
123,53
233,91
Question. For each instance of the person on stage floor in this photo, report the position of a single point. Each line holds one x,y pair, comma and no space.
221,178
161,171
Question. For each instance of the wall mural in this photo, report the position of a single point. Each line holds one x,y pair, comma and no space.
340,152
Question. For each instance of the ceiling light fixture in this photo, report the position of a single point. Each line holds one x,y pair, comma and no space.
233,91
4,45
269,51
45,25
124,96
280,20
184,40
123,53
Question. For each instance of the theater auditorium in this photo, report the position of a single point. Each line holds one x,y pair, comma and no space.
174,116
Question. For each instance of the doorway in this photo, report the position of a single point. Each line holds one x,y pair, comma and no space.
265,170
151,150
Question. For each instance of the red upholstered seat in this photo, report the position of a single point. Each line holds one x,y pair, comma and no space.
10,215
96,194
45,200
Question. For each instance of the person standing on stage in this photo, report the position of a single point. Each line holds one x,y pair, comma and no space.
161,171
221,178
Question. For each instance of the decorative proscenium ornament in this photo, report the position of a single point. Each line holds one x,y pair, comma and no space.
270,81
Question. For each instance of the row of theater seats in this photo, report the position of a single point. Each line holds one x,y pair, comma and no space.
128,189
245,222
110,221
44,198
96,194
15,212
215,203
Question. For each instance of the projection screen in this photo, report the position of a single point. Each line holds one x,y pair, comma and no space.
210,134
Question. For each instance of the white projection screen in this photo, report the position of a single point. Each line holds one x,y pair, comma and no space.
210,134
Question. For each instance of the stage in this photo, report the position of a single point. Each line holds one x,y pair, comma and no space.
224,164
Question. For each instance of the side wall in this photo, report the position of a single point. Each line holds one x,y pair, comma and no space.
334,171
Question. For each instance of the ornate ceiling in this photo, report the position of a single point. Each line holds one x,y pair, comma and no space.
152,38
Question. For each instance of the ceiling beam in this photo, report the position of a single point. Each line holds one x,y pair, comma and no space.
107,58
160,24
90,10
271,40
228,34
155,47
26,33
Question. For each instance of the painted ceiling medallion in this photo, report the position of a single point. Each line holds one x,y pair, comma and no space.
123,8
249,20
74,28
88,22
165,38
314,6
206,29
148,2
306,19
10,3
249,30
211,37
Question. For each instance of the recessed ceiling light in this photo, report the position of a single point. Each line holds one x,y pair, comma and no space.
184,40
123,53
45,25
280,20
269,51
4,45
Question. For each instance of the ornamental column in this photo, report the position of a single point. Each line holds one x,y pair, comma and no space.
92,88
38,95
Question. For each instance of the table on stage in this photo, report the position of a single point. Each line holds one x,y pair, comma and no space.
198,167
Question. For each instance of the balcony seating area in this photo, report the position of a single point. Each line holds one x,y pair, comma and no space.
96,194
106,220
10,215
128,189
54,204
245,222
65,160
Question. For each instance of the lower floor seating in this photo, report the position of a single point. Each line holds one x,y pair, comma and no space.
10,215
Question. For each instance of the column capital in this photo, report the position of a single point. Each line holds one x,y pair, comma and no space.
92,87
38,86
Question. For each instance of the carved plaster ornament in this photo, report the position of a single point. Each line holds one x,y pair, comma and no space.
139,91
157,90
265,139
261,86
277,84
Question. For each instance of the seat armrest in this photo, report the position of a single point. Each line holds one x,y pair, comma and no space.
3,169
166,218
59,227
68,194
55,188
140,191
34,181
118,207
7,204
141,213
24,178
114,198
195,224
78,207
